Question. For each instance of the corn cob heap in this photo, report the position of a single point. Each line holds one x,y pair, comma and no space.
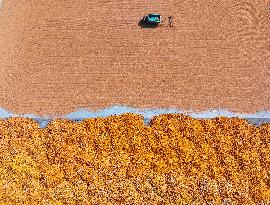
119,160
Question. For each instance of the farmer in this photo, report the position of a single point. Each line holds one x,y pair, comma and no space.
170,21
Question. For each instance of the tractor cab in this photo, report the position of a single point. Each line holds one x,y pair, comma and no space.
152,18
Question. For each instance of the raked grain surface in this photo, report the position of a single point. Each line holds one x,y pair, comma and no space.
58,56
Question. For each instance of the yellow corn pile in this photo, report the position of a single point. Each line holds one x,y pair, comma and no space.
119,160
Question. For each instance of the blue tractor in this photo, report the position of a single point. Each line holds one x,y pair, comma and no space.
153,19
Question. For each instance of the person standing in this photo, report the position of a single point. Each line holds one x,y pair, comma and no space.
170,20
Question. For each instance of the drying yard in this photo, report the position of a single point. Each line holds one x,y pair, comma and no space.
59,56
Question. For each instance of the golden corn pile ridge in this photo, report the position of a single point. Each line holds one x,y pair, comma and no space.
119,160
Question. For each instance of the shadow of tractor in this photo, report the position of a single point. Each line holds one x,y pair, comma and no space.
144,24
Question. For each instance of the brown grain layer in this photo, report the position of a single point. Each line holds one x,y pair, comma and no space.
58,56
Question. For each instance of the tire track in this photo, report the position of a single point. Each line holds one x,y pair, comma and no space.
248,31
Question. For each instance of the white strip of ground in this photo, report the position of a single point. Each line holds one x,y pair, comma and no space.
257,118
147,113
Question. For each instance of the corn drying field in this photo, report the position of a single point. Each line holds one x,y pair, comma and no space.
119,160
